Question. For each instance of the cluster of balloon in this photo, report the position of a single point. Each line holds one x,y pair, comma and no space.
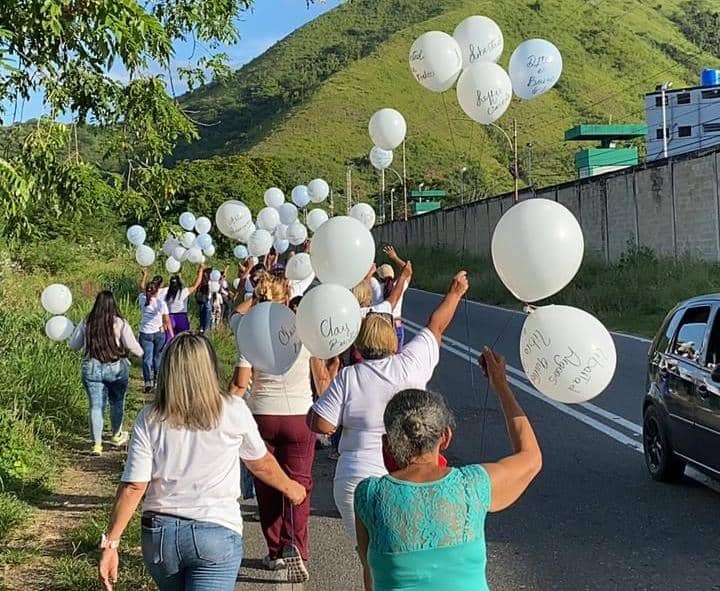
469,57
537,249
194,245
57,299
144,255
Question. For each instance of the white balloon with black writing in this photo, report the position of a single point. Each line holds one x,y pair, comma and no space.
240,252
288,213
59,328
144,255
480,40
187,221
535,67
268,218
202,225
232,218
56,298
484,92
260,243
537,248
296,233
387,128
363,213
300,196
274,197
567,354
328,320
172,265
268,338
318,190
380,159
299,267
343,251
436,60
136,235
316,218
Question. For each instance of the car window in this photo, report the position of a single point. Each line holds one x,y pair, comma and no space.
690,334
666,333
712,359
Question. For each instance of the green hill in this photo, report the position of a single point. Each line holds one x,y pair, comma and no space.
307,100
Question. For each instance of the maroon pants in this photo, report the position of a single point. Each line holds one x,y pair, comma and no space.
293,445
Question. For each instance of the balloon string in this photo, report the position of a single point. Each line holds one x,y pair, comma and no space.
450,128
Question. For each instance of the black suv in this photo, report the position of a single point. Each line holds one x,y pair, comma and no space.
681,410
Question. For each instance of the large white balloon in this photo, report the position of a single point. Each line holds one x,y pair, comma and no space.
170,245
194,255
274,197
187,221
179,253
281,245
241,252
172,265
268,218
204,240
260,243
288,213
343,251
299,267
480,40
267,337
328,320
231,218
484,92
300,196
380,159
537,248
59,328
535,67
318,190
245,232
566,353
188,239
363,213
144,255
202,225
136,235
209,251
296,233
56,298
387,129
316,218
436,60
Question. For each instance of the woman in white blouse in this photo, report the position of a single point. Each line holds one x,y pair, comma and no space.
155,328
176,297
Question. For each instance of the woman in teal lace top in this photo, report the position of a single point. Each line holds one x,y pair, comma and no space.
422,527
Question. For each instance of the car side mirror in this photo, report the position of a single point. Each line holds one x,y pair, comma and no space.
715,375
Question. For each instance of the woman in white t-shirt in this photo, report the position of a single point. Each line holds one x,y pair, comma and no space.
184,458
176,297
154,325
357,397
280,404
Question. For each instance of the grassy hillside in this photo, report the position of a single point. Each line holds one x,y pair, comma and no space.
308,99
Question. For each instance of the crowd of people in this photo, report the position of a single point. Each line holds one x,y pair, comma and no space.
199,447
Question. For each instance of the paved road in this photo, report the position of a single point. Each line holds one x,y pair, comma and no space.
593,520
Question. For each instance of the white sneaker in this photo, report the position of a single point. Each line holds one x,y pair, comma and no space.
276,564
297,571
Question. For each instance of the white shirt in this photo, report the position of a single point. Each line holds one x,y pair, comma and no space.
194,474
179,304
287,394
151,320
298,287
377,291
357,397
123,336
397,310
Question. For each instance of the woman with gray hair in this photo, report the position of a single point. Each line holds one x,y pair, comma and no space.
422,527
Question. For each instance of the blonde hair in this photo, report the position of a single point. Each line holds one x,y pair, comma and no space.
188,389
270,288
377,338
363,293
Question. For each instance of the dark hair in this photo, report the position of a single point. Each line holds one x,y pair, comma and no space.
388,286
158,279
174,288
100,341
151,290
256,272
294,303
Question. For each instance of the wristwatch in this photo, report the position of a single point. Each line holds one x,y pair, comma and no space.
107,544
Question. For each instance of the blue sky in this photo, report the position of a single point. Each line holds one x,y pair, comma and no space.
260,28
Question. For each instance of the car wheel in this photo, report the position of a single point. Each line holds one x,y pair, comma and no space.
661,462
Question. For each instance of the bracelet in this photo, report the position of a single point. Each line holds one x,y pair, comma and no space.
108,544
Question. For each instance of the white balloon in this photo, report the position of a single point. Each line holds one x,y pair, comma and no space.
236,284
363,213
144,255
202,225
328,320
172,265
214,286
267,337
537,248
188,239
535,67
567,354
246,231
343,251
299,267
187,221
288,213
235,319
215,275
435,61
281,232
260,243
268,218
203,259
59,328
204,240
209,251
387,128
296,233
380,159
484,92
136,235
194,255
480,40
316,218
300,196
179,253
318,190
170,245
281,245
56,298
240,252
231,218
274,197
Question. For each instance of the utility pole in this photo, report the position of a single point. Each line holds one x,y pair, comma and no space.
348,189
332,203
463,170
405,199
663,88
392,204
382,196
530,158
515,157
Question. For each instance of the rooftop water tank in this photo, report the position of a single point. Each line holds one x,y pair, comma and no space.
710,77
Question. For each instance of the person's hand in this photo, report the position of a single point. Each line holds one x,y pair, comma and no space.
296,493
145,271
459,285
493,366
108,568
390,251
407,271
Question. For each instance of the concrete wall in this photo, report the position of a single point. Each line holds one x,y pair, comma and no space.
672,207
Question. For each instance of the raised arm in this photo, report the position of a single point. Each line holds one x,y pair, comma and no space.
400,285
511,476
143,279
444,313
392,254
198,280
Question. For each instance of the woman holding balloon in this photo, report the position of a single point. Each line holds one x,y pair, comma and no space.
176,297
155,327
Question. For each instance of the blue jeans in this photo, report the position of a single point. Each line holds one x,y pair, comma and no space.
206,316
188,555
105,382
152,346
